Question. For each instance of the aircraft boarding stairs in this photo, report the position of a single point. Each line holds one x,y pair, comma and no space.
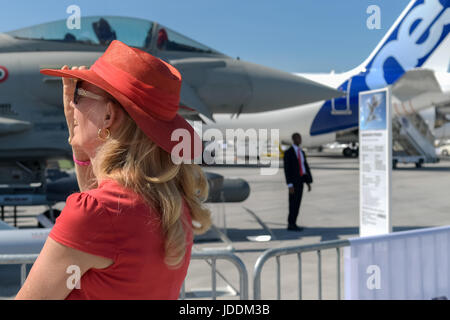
412,141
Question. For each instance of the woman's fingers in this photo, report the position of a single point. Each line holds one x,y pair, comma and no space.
69,82
64,79
68,86
68,92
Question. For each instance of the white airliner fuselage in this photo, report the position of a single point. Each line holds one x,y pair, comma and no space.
412,58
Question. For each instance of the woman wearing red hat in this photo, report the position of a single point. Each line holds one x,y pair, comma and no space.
129,233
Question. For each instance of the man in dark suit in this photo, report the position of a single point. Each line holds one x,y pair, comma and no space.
297,172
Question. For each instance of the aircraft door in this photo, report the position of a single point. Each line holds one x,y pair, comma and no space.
342,105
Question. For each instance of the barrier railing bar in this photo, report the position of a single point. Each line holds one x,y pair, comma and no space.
278,278
319,273
338,252
213,279
299,256
183,291
23,273
18,258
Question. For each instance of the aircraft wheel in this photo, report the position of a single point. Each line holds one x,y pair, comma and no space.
419,164
347,152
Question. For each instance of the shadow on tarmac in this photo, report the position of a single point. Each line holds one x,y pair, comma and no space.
333,168
440,168
325,233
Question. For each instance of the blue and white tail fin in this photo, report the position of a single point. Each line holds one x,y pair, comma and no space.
418,38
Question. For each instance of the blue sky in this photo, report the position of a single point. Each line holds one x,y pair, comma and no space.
294,35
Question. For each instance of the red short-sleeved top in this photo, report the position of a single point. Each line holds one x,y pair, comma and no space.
114,222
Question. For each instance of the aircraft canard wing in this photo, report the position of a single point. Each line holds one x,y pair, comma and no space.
189,98
418,89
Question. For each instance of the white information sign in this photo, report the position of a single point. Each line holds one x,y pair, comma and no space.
375,160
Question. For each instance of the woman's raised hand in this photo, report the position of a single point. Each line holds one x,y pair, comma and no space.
69,85
68,92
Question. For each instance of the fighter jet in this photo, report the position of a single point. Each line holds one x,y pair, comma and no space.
212,81
372,104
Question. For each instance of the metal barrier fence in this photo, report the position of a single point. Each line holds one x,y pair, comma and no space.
211,258
25,259
298,250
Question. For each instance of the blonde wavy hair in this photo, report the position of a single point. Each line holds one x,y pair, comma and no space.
135,162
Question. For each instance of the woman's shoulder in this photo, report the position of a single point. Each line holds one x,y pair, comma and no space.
82,200
114,197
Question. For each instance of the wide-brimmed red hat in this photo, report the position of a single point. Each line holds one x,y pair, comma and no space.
149,90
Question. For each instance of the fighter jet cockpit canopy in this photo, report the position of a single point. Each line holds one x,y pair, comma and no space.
101,31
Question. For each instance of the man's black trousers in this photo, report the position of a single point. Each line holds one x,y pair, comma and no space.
295,200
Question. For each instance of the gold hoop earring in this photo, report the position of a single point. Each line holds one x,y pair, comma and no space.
108,134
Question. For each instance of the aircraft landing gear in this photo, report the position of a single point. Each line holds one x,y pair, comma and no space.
351,152
419,163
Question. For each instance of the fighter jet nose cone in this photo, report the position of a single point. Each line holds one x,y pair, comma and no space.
274,89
